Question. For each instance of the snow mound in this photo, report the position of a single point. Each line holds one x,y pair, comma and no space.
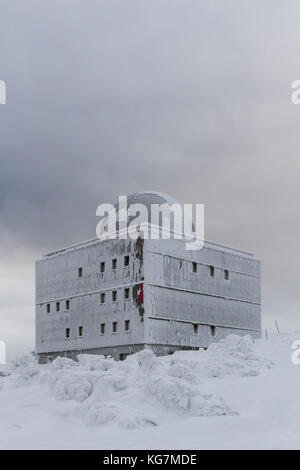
125,417
232,356
144,389
92,362
21,371
77,385
235,355
176,394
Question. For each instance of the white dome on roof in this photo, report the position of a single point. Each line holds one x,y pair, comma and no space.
147,199
151,197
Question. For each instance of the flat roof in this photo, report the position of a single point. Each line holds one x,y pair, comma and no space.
94,241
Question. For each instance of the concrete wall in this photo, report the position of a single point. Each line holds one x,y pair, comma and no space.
57,280
177,298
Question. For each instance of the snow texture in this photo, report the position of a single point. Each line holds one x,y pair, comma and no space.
111,392
238,389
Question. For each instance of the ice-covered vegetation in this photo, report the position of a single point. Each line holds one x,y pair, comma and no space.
144,390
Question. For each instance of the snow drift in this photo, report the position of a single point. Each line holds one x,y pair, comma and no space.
144,390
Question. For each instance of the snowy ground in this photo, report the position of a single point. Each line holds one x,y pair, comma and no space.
237,395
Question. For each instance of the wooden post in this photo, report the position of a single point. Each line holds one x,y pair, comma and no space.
266,334
277,327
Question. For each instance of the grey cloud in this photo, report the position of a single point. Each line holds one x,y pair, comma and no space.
187,97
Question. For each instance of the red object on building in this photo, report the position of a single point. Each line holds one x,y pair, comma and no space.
141,293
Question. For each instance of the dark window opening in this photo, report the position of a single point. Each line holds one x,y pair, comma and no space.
48,308
80,331
67,305
195,268
57,306
126,260
114,264
123,357
80,272
127,293
196,328
102,328
226,275
212,271
114,295
127,325
102,297
115,327
67,333
102,267
213,331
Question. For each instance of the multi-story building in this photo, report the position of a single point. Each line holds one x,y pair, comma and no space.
116,297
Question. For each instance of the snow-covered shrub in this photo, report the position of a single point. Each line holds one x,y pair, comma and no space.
72,385
62,363
125,417
93,362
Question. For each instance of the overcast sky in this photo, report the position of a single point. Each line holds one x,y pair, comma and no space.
187,97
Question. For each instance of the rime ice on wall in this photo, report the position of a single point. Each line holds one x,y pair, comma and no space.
116,296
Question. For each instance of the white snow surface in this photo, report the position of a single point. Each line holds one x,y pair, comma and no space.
236,395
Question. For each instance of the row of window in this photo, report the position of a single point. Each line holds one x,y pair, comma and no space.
212,329
211,271
126,263
114,265
58,306
114,298
114,295
102,329
127,328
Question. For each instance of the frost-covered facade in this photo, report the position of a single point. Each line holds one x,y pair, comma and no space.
116,297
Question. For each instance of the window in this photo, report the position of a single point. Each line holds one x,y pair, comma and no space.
80,331
48,308
67,305
115,327
114,264
57,306
102,267
196,328
80,272
126,260
226,275
127,293
102,328
212,271
123,356
195,268
127,325
67,333
102,298
114,295
213,331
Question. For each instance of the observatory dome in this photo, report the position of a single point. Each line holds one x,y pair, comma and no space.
149,198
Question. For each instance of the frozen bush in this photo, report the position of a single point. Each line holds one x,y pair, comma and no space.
75,385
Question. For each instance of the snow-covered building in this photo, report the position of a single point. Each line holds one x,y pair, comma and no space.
116,297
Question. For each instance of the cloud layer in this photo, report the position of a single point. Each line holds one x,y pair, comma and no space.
187,97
